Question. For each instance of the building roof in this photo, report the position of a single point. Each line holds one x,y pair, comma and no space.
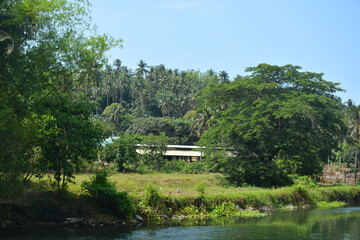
183,153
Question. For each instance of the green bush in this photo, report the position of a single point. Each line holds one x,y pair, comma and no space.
122,152
200,188
107,197
151,196
194,167
174,166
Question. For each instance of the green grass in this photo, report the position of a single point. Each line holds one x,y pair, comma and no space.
335,204
218,199
215,190
136,183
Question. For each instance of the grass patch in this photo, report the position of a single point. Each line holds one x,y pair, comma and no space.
136,183
334,204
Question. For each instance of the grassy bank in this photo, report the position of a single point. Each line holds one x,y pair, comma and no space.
209,195
155,198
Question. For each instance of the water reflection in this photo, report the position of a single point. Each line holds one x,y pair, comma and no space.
341,223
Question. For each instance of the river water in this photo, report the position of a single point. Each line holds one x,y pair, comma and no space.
327,224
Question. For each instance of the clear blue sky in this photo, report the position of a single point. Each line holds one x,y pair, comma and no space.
319,35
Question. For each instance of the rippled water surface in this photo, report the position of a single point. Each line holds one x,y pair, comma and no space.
329,224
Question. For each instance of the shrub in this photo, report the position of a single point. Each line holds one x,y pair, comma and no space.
200,188
151,196
194,167
107,197
122,152
174,166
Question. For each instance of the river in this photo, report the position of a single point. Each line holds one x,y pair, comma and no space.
329,224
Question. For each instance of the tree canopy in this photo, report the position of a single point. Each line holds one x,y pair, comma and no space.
276,121
48,51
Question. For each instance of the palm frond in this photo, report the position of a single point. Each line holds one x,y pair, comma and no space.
5,36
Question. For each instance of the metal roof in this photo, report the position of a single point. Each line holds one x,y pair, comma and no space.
178,153
183,153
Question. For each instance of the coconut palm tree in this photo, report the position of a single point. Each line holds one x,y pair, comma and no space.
343,137
224,77
142,69
165,102
354,117
201,120
108,84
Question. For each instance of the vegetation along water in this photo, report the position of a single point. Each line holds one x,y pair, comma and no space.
329,224
265,138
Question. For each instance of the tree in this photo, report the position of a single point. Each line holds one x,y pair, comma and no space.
6,43
276,121
146,126
201,119
343,137
122,152
354,118
67,136
153,149
141,71
224,77
118,117
54,52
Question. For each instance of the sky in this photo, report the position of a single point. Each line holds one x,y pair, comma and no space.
321,36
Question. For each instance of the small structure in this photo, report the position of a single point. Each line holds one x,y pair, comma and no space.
187,153
184,152
179,152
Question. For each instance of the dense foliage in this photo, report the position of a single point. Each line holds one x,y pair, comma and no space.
47,58
59,97
121,152
274,122
107,197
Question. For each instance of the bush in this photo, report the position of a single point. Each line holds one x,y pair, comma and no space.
107,197
174,166
11,185
200,188
151,196
194,167
122,152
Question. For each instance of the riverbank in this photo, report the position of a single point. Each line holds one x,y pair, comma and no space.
199,196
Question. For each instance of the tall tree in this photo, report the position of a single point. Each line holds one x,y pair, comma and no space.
224,77
67,137
354,117
54,52
142,69
276,117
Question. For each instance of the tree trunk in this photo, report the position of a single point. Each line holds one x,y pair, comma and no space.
356,162
340,158
63,180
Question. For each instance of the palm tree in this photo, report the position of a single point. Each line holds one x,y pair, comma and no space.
118,81
343,137
201,120
165,102
142,69
211,72
108,84
123,82
224,77
117,64
354,115
8,43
